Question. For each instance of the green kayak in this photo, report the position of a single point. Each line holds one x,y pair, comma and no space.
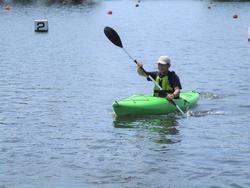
150,105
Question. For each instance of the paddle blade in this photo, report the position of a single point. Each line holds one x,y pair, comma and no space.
113,36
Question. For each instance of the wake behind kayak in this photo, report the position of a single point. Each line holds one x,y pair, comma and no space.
150,105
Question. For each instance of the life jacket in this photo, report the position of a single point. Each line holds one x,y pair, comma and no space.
165,84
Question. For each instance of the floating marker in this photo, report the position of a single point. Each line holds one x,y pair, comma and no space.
137,5
41,25
110,12
7,7
235,16
249,34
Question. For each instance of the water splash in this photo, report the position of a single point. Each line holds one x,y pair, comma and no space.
191,113
210,96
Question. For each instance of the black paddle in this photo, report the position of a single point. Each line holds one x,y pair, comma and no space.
113,36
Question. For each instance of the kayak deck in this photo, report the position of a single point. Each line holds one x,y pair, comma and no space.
150,105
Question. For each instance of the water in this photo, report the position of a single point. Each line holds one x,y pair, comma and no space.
56,120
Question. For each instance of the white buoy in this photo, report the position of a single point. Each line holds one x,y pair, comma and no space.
249,34
41,26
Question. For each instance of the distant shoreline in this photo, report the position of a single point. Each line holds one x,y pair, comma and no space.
78,2
47,2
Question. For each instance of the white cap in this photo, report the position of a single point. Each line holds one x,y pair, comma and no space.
164,60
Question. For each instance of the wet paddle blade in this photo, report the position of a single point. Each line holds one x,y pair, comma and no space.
113,36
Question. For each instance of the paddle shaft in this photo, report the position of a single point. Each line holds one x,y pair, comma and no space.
150,77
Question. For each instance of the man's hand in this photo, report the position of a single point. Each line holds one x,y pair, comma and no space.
176,93
140,71
139,65
170,96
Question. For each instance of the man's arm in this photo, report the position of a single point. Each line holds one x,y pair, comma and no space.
142,73
177,87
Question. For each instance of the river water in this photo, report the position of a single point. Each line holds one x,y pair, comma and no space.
57,128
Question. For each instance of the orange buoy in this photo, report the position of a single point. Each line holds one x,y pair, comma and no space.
235,16
7,7
110,12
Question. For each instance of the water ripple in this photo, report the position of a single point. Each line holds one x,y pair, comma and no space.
56,88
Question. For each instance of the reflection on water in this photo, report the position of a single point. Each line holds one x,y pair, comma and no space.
165,126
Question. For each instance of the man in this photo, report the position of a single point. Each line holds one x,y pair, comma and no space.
168,80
